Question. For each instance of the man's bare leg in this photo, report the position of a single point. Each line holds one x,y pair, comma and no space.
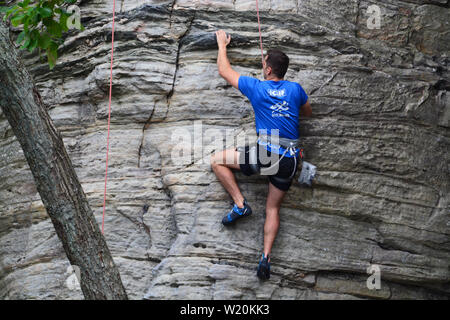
222,163
274,198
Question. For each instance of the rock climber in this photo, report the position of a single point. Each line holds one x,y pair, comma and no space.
277,104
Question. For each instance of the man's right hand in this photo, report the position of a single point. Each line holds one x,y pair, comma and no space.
306,110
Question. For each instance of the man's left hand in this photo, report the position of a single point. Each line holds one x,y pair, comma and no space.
222,39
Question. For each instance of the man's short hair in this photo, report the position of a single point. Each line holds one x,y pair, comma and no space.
278,61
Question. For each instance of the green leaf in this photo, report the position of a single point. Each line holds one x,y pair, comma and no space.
52,54
26,43
17,20
34,34
45,12
34,17
44,40
70,1
33,44
54,28
63,22
47,21
4,9
12,10
20,37
26,22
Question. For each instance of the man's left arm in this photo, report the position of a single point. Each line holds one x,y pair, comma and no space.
225,70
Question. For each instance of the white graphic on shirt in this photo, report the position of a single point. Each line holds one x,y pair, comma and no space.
276,93
279,109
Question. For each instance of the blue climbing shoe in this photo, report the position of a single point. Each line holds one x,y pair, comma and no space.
237,213
263,268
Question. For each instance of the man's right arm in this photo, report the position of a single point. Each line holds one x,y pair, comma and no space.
306,110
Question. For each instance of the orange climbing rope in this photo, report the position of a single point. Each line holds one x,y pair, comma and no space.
109,113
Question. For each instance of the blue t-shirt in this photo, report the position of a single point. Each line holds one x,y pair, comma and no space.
276,105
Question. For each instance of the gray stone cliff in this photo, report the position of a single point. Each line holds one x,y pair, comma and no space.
379,135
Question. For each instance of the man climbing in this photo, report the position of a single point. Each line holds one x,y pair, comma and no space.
277,104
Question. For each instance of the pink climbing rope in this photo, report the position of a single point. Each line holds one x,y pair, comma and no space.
260,37
109,113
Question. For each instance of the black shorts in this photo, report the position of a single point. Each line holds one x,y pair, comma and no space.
287,165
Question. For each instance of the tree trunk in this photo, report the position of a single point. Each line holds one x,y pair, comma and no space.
56,180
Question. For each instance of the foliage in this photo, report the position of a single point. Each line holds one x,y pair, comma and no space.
43,24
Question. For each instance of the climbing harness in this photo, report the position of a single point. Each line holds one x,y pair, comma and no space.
290,145
307,173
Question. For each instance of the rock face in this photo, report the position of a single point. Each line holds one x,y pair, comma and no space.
380,137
